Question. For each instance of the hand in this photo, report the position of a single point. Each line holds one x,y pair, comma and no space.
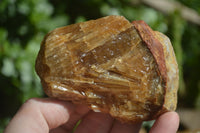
54,116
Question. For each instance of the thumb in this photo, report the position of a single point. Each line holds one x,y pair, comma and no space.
166,123
40,115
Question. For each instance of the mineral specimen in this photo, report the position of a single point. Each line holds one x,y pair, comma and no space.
114,66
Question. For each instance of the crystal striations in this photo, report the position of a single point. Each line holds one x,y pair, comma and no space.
114,66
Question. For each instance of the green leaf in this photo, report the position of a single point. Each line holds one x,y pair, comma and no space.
8,68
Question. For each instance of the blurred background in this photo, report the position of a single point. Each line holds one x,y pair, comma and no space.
24,23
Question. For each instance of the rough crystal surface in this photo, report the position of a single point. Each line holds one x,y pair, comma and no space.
107,64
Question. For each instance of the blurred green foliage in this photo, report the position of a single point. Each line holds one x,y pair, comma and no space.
24,23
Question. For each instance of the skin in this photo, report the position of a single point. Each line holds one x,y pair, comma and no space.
54,116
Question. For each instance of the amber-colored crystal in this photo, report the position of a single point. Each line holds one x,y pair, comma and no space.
114,66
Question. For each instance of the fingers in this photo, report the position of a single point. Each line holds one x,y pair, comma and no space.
119,127
104,123
76,115
166,123
95,123
55,112
40,115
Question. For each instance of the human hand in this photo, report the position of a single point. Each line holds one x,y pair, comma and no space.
54,116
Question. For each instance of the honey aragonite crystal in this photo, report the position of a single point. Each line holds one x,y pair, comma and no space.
113,66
